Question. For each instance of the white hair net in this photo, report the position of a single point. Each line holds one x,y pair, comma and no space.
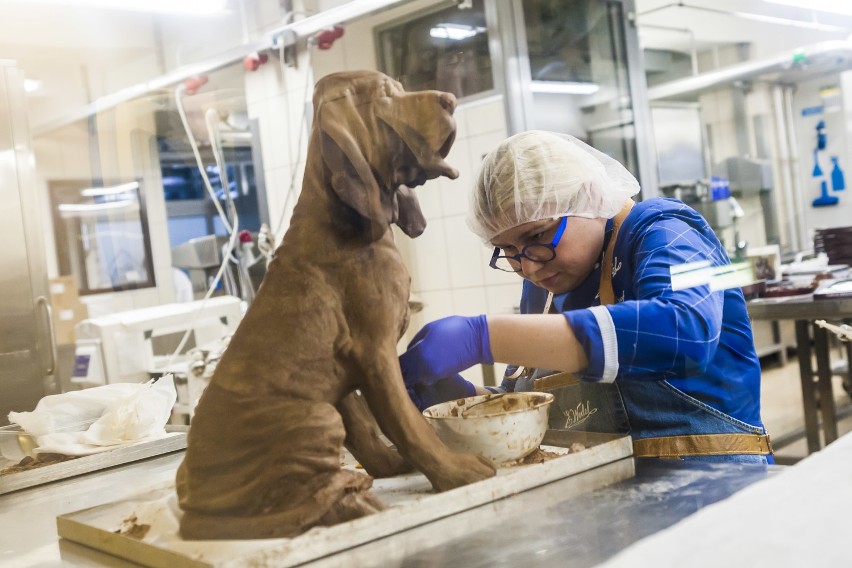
538,175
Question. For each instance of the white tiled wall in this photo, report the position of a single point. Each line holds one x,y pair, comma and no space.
456,279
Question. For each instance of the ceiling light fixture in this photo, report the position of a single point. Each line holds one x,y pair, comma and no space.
564,87
455,32
832,6
67,210
788,22
111,190
811,25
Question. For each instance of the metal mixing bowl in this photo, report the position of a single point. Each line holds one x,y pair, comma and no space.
15,445
499,427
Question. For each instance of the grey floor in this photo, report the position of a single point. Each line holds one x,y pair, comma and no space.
781,394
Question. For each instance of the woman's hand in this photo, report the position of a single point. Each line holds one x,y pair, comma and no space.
423,396
445,347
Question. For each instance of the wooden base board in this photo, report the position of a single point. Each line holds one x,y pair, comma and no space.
410,499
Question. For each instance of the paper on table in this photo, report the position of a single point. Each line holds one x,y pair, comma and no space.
140,415
72,411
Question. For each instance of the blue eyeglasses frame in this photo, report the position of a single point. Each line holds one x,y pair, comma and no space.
551,246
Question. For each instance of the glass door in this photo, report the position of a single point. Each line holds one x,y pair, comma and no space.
583,77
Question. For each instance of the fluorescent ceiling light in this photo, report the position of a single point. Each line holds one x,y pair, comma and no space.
812,25
337,15
833,6
455,32
788,22
112,190
564,87
92,209
197,7
31,85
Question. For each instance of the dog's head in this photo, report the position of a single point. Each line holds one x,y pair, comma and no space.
378,142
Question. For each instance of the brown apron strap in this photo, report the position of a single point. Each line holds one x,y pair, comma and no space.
702,445
551,382
605,292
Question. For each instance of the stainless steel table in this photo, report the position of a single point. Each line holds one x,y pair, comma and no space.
550,526
817,392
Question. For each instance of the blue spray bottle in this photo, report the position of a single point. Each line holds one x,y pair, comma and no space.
838,183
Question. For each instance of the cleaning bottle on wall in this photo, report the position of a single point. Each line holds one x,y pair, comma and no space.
824,200
822,137
838,183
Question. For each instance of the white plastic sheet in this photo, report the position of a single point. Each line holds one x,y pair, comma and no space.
99,419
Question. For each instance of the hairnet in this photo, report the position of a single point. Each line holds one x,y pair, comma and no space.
538,175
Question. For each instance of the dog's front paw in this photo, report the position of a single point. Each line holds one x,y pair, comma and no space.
462,469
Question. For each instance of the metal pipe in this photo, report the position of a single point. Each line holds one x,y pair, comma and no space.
823,52
646,150
795,167
783,152
286,32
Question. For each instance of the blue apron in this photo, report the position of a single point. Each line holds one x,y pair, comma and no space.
673,424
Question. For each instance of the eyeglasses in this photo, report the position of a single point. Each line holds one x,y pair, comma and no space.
539,252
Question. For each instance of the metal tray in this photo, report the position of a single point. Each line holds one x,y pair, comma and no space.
409,497
173,442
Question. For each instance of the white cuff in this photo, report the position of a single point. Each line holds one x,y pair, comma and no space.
609,341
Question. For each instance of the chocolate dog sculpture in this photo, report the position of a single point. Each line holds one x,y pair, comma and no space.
263,455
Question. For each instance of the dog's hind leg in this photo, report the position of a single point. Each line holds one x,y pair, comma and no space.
352,505
363,441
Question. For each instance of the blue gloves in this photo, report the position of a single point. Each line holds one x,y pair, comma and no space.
444,347
451,388
438,352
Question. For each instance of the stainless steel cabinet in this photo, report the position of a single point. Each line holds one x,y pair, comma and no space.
27,349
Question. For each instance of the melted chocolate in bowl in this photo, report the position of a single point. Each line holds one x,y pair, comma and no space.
499,427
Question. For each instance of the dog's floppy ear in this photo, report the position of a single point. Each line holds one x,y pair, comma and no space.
344,139
409,217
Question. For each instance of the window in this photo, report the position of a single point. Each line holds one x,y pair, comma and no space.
102,235
445,50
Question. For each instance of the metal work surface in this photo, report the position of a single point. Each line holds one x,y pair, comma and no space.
816,383
555,526
799,307
568,520
410,499
173,442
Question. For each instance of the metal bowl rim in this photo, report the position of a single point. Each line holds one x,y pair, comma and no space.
548,399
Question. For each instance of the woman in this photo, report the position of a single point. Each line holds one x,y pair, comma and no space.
683,362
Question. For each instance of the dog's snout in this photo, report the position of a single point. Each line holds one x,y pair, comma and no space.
447,101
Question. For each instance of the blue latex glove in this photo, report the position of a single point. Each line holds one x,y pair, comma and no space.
423,396
444,347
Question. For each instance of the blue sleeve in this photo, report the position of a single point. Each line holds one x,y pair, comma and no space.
661,333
